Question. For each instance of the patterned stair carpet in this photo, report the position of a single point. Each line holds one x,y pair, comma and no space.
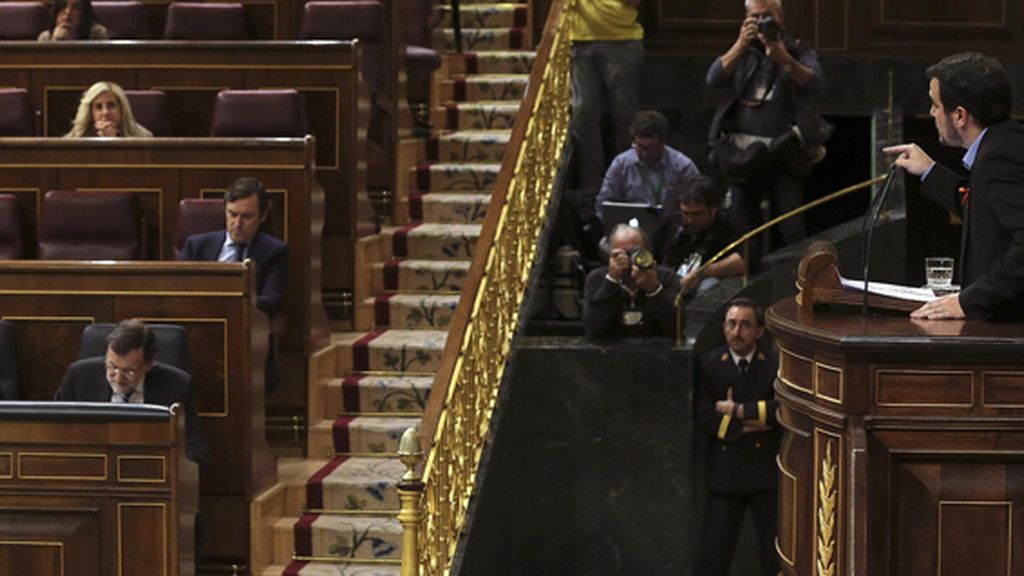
415,274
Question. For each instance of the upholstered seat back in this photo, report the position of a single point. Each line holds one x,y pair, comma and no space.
259,113
125,19
10,228
16,117
151,110
89,226
22,20
9,385
202,21
195,216
172,345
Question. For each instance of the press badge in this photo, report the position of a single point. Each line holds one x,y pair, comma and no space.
632,317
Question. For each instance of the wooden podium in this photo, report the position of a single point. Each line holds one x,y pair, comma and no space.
903,452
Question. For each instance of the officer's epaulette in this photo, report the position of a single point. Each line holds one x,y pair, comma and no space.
761,356
725,356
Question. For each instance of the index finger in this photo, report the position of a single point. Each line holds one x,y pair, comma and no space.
897,149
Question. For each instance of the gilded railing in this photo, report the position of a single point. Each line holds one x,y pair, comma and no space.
458,415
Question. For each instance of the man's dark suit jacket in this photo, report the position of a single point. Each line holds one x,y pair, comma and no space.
86,381
269,253
739,463
992,244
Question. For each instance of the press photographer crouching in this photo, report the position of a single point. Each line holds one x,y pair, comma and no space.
767,133
632,295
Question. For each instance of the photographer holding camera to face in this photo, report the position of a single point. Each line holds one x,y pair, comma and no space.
767,134
632,295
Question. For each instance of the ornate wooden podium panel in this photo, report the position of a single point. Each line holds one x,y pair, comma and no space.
904,446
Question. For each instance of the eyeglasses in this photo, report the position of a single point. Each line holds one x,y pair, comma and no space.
127,372
646,147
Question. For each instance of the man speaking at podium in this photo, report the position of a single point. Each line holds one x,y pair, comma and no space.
971,102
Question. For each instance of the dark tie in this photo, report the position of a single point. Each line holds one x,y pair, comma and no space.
239,252
743,365
126,396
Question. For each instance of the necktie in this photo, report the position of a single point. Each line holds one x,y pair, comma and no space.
126,396
239,251
743,365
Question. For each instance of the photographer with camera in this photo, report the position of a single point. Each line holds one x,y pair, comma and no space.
632,295
767,134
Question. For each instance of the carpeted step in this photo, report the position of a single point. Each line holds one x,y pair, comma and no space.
348,536
497,115
487,16
494,62
483,39
370,434
455,177
414,275
476,146
428,240
413,311
485,87
328,569
444,207
372,393
353,484
398,351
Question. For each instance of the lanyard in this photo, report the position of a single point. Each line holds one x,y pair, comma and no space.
656,191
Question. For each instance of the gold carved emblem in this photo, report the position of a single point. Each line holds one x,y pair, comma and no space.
827,515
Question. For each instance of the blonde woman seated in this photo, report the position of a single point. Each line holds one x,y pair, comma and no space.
104,111
73,20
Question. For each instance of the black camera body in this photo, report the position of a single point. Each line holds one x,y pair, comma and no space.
770,28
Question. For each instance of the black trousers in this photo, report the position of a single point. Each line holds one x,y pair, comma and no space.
722,528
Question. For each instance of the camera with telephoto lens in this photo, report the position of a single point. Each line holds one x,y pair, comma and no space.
641,258
770,28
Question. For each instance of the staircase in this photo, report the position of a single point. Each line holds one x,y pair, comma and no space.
335,512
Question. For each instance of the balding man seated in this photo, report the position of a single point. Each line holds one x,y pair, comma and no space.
632,295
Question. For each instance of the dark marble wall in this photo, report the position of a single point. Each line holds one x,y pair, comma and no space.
590,471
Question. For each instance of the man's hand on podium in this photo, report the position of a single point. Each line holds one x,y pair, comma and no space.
911,158
944,308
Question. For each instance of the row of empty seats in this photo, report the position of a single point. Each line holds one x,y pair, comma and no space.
128,19
236,113
100,226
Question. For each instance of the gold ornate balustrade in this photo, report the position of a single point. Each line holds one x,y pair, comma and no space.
457,418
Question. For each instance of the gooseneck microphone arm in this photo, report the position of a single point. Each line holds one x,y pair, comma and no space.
868,228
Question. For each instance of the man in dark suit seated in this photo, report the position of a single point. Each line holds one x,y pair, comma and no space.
736,408
129,374
245,209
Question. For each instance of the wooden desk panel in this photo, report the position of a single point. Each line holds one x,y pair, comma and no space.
82,493
51,302
161,172
191,73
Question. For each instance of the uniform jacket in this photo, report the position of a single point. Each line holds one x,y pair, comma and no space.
739,463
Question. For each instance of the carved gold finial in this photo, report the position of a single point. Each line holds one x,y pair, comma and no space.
410,453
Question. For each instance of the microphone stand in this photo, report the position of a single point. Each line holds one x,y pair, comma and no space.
868,228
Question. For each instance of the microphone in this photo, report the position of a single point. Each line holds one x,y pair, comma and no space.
868,227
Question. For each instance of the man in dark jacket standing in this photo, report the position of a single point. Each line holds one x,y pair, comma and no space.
971,102
736,407
769,116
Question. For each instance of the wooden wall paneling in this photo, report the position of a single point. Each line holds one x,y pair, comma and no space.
67,507
327,72
215,302
163,171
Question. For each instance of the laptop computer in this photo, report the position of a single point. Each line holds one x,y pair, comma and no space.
637,215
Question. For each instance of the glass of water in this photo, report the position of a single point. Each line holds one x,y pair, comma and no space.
938,272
